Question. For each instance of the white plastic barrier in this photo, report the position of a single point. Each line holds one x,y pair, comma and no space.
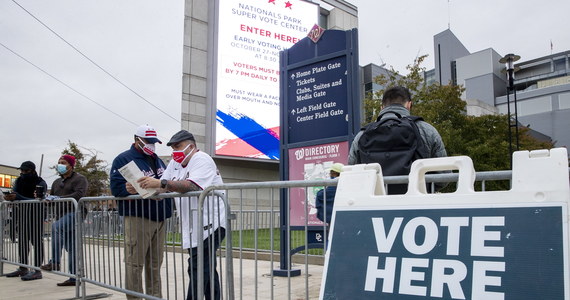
461,245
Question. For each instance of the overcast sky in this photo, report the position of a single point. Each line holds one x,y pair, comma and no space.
140,43
395,32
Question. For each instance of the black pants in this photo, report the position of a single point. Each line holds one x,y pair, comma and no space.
30,220
216,238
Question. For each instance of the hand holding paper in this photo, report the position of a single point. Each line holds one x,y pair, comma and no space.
132,174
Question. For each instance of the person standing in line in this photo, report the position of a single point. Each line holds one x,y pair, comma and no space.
70,185
193,170
385,146
144,219
30,219
325,197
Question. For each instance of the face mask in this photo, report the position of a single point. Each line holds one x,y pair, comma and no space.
148,149
179,156
61,169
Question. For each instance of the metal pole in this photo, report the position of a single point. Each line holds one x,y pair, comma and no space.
516,118
41,165
510,133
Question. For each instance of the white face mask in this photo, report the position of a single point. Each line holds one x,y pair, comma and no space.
148,149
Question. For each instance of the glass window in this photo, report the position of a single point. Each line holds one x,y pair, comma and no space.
454,72
323,20
559,64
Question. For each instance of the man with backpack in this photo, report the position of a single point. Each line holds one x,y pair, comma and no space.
396,139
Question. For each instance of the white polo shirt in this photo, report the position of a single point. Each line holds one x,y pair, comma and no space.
202,171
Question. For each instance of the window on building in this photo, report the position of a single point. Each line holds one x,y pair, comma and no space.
454,72
323,18
368,87
559,64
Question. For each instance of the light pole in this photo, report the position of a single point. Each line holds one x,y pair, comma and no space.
510,69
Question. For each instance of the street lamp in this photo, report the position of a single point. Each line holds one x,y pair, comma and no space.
510,69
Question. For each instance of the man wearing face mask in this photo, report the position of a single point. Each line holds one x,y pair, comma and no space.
30,219
144,219
193,170
70,184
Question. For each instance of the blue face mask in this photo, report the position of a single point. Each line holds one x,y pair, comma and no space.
61,169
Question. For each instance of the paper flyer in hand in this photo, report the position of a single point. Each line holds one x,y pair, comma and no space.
132,173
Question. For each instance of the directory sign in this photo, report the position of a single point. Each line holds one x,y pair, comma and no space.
311,163
250,35
317,99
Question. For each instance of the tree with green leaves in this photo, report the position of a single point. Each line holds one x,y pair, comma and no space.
483,138
90,166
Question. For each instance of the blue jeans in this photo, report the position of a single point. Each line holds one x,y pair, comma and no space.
217,238
63,235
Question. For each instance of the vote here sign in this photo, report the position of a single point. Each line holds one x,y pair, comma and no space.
500,252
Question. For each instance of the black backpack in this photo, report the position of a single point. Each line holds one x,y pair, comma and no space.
394,143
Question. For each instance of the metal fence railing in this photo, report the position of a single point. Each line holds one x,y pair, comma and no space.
259,236
44,231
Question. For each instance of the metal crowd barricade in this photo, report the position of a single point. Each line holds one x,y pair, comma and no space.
37,229
105,248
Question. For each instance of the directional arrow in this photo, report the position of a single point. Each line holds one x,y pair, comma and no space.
293,76
292,111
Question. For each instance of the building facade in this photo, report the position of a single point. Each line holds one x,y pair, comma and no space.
8,175
541,85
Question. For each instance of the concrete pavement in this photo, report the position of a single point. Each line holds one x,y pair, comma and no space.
252,280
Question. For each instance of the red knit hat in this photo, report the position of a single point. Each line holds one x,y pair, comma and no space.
70,159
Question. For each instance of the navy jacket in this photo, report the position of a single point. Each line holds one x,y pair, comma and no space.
156,210
320,203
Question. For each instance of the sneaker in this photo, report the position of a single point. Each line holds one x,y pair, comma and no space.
18,273
50,267
32,275
69,282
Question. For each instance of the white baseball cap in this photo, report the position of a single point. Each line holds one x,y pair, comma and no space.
337,167
148,133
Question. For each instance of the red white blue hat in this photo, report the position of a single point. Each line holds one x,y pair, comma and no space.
148,133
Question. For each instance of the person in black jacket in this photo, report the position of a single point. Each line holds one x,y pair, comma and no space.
144,219
30,219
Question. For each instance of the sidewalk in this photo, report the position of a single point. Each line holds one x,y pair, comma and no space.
252,280
45,288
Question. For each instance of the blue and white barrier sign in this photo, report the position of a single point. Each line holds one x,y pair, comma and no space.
463,245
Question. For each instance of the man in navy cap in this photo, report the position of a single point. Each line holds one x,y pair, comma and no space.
30,219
